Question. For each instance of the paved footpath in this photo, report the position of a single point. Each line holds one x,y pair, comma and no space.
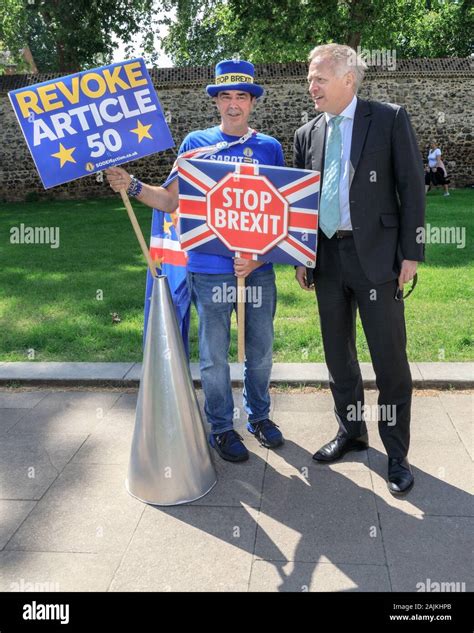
279,522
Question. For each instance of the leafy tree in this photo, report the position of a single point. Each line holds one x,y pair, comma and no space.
11,24
444,29
70,35
205,31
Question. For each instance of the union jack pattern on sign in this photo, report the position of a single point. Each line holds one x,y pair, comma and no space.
236,215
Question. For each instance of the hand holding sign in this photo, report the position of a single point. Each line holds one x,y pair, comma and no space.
243,267
118,179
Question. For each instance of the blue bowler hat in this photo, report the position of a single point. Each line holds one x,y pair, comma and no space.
234,75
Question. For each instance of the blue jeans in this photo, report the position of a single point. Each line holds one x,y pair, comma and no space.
214,297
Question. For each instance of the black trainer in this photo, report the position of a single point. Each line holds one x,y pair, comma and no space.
229,445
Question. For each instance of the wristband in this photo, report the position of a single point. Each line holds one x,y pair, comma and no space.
135,187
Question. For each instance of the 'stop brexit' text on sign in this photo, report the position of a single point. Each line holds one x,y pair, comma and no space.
91,120
268,212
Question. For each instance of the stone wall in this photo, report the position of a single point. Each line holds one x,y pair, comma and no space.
438,94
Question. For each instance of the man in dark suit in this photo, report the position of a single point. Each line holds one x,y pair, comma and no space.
372,202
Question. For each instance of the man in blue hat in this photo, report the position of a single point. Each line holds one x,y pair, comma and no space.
211,276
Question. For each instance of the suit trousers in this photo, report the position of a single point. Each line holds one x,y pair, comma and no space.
342,287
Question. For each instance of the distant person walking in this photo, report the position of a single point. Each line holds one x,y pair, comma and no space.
436,173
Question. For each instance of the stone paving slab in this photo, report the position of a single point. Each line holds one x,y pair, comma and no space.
429,421
421,548
8,419
305,433
110,441
64,412
189,549
85,400
29,465
321,576
330,514
238,484
56,571
43,423
87,509
460,409
315,403
127,401
443,481
12,515
21,399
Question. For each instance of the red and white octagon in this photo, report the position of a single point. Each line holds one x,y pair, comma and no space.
247,213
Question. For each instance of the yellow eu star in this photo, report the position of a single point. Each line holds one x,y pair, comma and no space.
142,131
167,226
64,155
158,261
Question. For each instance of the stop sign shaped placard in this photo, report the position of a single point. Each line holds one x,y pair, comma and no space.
247,213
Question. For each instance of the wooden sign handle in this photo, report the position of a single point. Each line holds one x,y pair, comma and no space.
138,233
241,319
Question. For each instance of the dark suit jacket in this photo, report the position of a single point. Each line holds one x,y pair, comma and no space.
387,192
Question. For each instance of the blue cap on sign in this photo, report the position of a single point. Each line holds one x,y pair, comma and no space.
234,75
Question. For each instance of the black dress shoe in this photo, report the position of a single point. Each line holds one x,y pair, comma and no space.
339,446
400,477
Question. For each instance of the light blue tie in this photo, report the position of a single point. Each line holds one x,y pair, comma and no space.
330,214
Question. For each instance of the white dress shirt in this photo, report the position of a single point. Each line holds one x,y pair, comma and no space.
346,135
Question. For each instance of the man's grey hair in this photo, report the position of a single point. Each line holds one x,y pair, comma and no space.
344,59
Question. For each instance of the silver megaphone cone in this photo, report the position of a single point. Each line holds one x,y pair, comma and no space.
170,462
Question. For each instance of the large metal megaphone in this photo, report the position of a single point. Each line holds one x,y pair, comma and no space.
170,462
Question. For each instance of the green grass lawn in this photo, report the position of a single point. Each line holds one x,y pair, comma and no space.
49,304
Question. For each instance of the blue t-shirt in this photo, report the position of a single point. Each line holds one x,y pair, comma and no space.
265,150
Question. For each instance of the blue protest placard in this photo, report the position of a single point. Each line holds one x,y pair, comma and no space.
83,123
